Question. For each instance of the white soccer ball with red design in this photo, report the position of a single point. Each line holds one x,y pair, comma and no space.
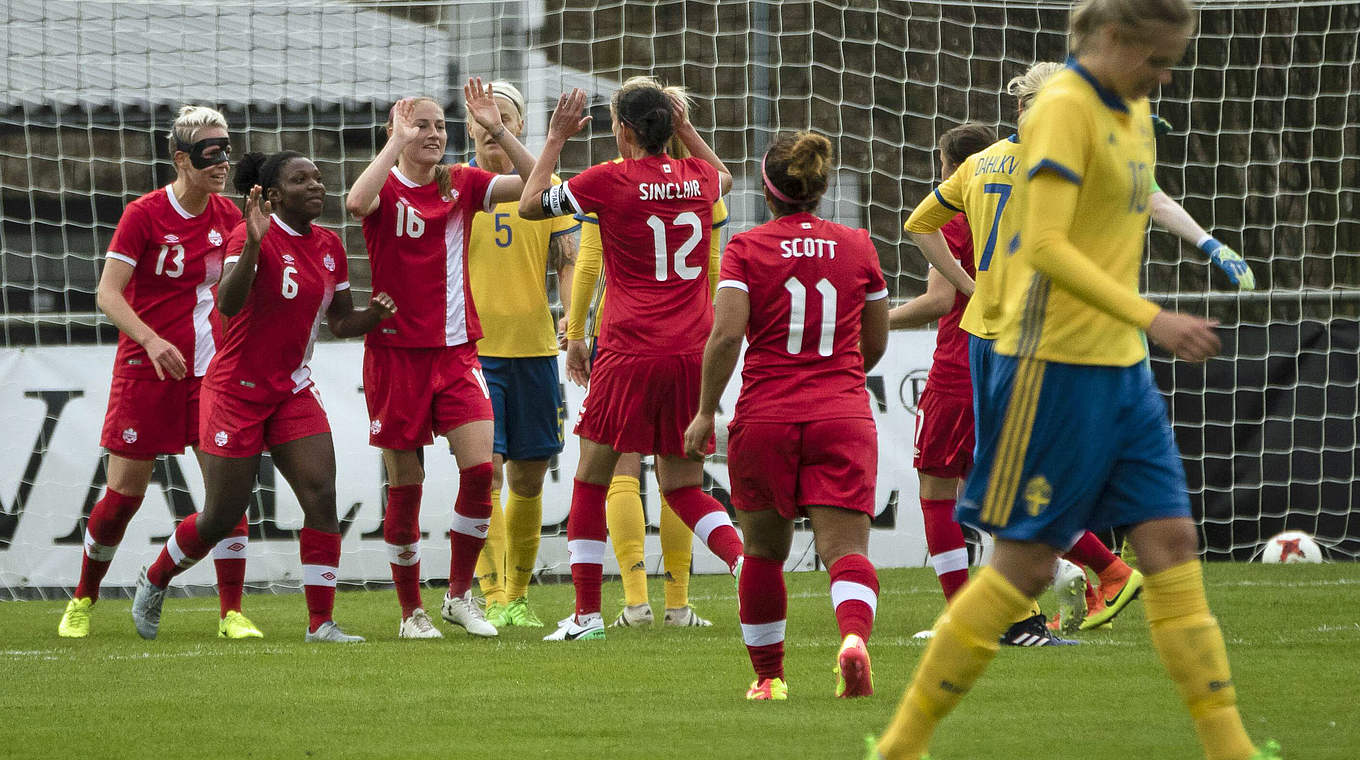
1291,546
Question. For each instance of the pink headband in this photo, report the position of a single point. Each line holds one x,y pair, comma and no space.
770,185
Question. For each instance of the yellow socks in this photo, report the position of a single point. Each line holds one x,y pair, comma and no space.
491,562
677,546
628,531
966,640
1191,646
523,529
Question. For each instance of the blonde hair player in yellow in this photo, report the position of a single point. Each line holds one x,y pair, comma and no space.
508,261
623,505
1073,434
985,188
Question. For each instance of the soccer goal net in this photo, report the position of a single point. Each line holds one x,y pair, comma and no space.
1264,153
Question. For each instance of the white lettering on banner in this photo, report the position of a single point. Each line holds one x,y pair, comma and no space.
62,392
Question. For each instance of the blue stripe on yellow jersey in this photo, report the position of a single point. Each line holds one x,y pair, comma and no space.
1088,136
507,267
982,188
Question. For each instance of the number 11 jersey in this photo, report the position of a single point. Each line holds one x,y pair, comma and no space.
808,280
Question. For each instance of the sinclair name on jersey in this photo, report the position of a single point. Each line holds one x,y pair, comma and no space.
665,191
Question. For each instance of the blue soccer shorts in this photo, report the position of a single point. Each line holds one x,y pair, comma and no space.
1065,448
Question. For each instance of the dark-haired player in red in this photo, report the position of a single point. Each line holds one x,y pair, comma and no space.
157,287
655,215
283,276
944,417
421,373
809,297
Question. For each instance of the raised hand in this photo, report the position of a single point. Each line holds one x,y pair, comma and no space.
481,105
679,110
1188,337
382,305
257,215
404,129
567,118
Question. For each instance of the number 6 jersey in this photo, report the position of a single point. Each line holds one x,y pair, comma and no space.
268,343
177,259
655,215
808,280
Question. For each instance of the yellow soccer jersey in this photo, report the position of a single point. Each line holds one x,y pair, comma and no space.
982,188
590,263
1089,136
507,265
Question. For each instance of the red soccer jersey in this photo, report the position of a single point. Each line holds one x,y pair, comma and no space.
808,280
177,260
949,367
269,342
655,217
417,242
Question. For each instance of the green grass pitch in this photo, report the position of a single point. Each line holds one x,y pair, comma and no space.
1293,635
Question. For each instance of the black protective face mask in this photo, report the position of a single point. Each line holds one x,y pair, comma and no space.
196,150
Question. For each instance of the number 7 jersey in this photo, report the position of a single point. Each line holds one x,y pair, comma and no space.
808,280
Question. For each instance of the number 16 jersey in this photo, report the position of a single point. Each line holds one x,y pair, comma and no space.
808,280
655,216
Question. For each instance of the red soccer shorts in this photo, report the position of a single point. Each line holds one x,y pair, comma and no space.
234,427
944,435
790,465
641,403
148,417
414,394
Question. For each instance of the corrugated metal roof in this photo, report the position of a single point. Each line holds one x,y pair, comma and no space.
62,54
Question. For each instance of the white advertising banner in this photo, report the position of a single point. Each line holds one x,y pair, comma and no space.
52,404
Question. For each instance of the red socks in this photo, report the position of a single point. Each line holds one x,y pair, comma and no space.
707,518
401,531
944,541
586,533
179,554
763,607
471,518
854,594
320,568
1091,552
229,559
103,532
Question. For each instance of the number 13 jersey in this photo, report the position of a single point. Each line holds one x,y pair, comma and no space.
808,280
177,259
655,215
